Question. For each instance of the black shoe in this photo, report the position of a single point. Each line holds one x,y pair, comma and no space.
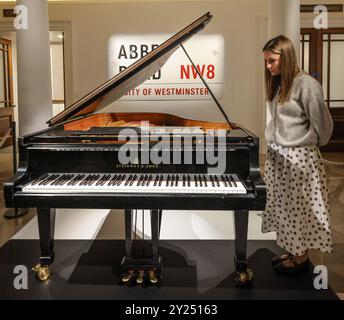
296,268
277,259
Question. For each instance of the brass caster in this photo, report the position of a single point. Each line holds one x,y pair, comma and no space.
152,277
245,277
139,279
126,278
42,272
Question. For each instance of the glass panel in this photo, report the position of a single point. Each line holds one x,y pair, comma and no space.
57,70
306,37
339,36
324,68
325,36
337,71
7,86
2,83
337,104
306,57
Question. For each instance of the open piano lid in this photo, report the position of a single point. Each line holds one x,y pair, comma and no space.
131,77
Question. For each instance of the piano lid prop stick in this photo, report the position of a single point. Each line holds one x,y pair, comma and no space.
211,92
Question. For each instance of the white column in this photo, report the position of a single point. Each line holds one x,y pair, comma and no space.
284,18
34,75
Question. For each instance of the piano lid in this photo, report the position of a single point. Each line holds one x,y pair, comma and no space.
131,77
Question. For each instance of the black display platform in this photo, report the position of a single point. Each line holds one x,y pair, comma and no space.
193,269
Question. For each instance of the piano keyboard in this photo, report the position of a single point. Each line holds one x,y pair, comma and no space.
135,183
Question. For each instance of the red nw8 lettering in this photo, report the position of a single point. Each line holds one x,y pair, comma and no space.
189,71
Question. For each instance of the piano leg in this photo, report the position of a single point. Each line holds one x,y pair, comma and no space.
46,228
244,274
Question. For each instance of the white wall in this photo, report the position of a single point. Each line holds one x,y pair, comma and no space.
241,23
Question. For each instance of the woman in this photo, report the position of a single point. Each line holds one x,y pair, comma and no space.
297,201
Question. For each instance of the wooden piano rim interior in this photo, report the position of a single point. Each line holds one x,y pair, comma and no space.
134,120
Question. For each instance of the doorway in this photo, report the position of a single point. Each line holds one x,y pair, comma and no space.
321,56
6,93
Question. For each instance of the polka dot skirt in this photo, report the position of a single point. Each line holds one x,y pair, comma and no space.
297,199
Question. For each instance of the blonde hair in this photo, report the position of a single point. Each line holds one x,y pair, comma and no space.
289,68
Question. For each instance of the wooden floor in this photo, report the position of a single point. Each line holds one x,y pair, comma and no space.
334,261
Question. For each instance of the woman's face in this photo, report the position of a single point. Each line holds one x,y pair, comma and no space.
273,62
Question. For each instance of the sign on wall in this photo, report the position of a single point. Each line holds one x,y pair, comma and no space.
177,79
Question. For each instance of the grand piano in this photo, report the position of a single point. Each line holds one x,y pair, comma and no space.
81,161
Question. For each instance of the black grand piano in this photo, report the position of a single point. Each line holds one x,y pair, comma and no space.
99,160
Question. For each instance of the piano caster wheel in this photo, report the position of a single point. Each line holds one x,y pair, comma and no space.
152,278
126,278
42,272
244,277
140,277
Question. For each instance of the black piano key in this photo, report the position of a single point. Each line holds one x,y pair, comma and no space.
228,181
133,180
140,180
172,180
205,180
184,180
200,180
161,180
157,178
189,181
212,181
177,180
217,181
149,180
196,182
168,179
144,181
224,181
128,180
233,181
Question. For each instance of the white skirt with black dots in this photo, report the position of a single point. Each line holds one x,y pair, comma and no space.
297,199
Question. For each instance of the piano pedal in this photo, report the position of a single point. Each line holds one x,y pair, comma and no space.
42,271
152,278
140,277
127,278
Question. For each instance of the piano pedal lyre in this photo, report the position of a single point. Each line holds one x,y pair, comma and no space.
152,277
128,277
42,271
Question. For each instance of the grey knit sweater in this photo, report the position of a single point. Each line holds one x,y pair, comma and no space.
304,120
